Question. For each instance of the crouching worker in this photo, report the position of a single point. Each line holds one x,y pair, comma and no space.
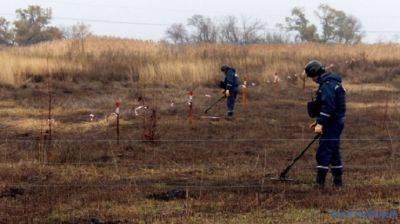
329,108
231,87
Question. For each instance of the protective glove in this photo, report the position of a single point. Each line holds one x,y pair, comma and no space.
312,126
318,129
227,93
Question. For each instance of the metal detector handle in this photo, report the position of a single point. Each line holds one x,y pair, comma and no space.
284,173
210,107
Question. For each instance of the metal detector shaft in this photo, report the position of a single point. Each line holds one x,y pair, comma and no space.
286,171
215,103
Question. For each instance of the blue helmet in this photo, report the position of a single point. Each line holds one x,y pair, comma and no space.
314,68
225,68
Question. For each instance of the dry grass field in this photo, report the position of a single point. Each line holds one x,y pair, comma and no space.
218,171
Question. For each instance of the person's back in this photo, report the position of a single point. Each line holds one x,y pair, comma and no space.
332,96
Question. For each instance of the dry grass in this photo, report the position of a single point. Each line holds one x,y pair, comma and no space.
84,176
151,63
228,182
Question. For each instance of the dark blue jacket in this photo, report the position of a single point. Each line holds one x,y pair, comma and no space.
231,79
331,97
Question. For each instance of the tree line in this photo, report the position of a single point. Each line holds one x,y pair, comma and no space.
337,27
32,25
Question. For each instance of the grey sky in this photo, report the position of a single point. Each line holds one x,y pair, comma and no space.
375,15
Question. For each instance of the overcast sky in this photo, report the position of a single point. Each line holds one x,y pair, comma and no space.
380,19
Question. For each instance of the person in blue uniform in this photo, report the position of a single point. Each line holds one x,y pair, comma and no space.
329,110
231,86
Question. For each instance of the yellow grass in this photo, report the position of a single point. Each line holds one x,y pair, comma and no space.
110,59
370,87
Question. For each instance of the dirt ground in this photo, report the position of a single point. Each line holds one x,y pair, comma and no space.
196,170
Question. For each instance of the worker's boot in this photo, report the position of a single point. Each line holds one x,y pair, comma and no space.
230,114
321,176
337,181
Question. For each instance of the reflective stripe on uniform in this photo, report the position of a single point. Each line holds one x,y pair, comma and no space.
336,167
323,167
325,114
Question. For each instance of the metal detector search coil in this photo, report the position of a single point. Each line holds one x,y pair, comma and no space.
283,176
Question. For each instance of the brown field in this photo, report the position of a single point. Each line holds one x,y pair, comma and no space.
83,174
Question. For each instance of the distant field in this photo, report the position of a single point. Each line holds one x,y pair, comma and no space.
220,169
102,59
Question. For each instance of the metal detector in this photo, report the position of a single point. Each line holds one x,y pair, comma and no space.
283,176
215,103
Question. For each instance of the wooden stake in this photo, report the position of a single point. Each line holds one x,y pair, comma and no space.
244,93
190,103
117,112
276,82
49,117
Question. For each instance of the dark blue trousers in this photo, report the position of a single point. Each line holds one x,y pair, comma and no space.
230,103
328,153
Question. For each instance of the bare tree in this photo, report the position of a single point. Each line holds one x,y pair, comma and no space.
252,31
5,32
300,24
229,30
177,33
205,29
79,31
276,38
249,32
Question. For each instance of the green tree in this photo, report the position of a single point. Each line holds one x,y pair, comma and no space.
306,32
349,31
5,32
32,26
339,27
328,18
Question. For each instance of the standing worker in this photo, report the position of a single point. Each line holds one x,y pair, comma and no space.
231,87
329,109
